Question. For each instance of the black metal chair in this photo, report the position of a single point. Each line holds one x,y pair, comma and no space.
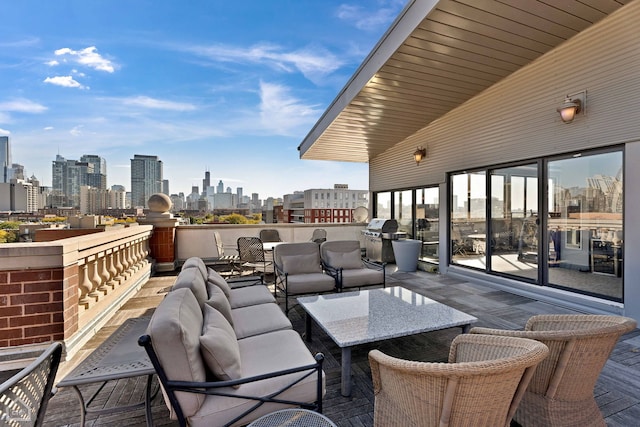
251,253
24,397
319,235
270,235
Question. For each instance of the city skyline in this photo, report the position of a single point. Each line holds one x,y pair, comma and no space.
228,87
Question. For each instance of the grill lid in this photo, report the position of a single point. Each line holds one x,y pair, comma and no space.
381,225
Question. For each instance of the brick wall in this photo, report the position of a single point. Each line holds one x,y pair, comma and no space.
162,244
38,305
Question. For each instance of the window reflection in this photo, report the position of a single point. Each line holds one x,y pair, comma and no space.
427,222
578,234
585,223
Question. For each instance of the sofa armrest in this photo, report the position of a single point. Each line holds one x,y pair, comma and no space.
374,265
243,282
216,387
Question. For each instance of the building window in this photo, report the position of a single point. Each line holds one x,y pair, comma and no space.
565,231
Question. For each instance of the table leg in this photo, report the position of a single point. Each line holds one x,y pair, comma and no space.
307,327
346,371
466,328
147,402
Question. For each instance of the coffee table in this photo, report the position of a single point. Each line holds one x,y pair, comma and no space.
352,318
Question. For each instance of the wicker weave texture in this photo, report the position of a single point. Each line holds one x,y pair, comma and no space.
481,385
561,390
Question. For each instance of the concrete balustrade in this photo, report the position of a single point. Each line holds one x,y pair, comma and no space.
65,290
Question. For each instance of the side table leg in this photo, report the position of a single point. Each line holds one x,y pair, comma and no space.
346,372
307,327
466,328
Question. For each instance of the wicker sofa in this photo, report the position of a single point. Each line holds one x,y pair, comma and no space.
225,353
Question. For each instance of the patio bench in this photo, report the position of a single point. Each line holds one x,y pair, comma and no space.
224,363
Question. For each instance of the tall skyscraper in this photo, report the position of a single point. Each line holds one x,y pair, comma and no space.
146,178
220,188
96,171
5,159
165,186
68,176
206,182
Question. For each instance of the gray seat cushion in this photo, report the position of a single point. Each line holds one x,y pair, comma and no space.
250,295
258,319
262,354
310,283
361,277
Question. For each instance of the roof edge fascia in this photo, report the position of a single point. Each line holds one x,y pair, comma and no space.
406,22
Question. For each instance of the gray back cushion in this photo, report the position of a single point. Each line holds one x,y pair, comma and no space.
175,329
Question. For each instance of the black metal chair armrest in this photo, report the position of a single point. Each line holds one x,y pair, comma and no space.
374,265
243,282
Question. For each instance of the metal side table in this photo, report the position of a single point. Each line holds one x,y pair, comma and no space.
293,418
118,357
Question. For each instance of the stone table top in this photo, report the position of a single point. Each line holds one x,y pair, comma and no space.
352,318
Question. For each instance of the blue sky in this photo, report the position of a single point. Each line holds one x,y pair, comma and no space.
228,86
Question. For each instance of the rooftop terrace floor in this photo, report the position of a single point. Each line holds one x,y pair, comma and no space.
617,391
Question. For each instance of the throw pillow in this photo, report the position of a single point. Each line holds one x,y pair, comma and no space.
219,346
219,301
346,260
301,264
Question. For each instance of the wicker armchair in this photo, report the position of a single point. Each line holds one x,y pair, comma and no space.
561,391
480,386
24,396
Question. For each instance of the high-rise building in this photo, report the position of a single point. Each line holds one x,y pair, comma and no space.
16,171
5,159
96,171
165,186
220,188
206,182
146,179
117,197
69,175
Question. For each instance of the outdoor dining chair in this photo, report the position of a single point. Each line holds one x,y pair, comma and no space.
561,391
480,386
24,396
251,253
319,236
270,235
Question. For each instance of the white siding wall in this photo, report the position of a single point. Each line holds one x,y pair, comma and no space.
517,119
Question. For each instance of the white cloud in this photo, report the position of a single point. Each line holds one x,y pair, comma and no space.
89,57
281,112
64,81
158,104
76,131
48,128
312,62
22,105
4,132
52,63
365,20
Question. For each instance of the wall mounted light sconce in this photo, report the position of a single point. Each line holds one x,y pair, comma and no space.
419,154
573,105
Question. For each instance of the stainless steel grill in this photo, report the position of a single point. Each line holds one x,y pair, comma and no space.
378,236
